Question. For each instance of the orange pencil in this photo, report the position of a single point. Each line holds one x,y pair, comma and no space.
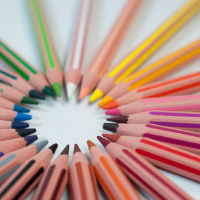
106,52
164,156
12,125
15,144
143,173
114,182
9,134
55,178
82,181
12,161
27,176
177,86
11,94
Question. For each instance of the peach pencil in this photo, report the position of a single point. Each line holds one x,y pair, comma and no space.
12,125
73,66
143,173
164,156
24,69
11,94
174,103
49,60
15,144
82,181
17,82
106,52
180,120
4,103
178,86
186,140
55,178
8,134
9,115
27,176
12,161
156,71
112,179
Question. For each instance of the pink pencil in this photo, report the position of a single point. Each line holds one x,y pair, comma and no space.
175,103
181,120
186,140
164,156
143,173
73,66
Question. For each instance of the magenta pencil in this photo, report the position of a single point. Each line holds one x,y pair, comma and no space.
175,103
143,173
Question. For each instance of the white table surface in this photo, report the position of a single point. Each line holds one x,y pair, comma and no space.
70,121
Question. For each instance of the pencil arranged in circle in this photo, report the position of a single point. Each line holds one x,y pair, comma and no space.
15,144
158,70
12,125
11,94
73,65
6,104
82,181
180,120
164,156
106,52
143,173
174,103
9,134
12,161
55,178
24,69
112,179
187,140
50,63
9,115
27,176
182,85
17,82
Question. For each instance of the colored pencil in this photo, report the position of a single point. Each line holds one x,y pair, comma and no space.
50,63
143,173
164,156
55,178
177,86
112,179
153,72
12,161
82,181
187,140
8,134
9,115
174,103
15,144
106,52
17,82
11,94
73,66
24,69
4,103
12,125
180,120
27,176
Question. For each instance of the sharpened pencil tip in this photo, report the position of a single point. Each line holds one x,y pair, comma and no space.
83,93
53,147
103,141
110,127
97,94
47,90
30,139
22,117
70,88
76,148
113,104
29,101
18,108
25,132
35,94
90,144
105,100
114,112
57,88
65,150
112,138
123,119
19,125
41,145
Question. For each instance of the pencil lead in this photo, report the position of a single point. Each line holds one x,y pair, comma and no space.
70,88
30,139
35,94
19,125
90,144
41,145
113,104
25,132
105,100
47,90
103,141
83,93
123,119
53,147
22,117
114,111
65,150
97,94
110,127
29,101
112,138
18,108
57,88
76,148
